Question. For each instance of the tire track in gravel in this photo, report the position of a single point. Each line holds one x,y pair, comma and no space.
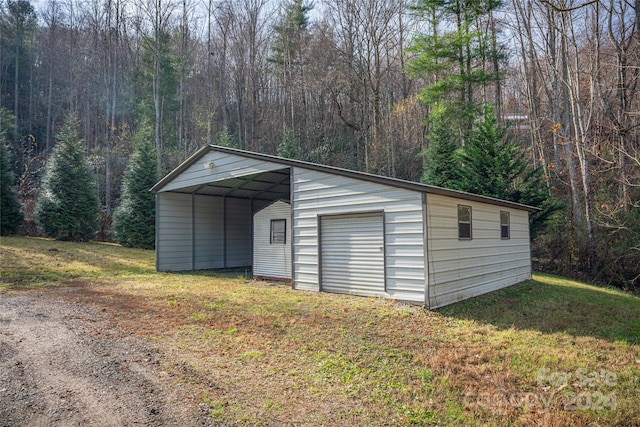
61,365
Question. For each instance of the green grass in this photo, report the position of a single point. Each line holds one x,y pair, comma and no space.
36,262
259,354
552,304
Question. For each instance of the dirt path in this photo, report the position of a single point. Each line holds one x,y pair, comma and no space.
61,365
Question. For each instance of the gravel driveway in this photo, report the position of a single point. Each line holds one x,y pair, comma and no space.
61,365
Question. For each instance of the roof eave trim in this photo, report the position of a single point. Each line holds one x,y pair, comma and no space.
385,180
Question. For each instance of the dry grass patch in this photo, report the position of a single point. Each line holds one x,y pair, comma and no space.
263,354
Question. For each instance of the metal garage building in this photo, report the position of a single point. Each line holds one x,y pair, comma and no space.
348,232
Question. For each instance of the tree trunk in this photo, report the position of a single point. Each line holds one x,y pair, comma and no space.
496,67
49,130
565,131
580,124
16,86
156,85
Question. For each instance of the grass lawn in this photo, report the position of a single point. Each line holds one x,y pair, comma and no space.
548,351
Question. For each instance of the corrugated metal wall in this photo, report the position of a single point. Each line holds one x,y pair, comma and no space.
209,232
183,244
173,232
271,260
459,269
318,193
352,254
238,221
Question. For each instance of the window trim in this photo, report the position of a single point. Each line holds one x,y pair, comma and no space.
273,241
507,226
470,222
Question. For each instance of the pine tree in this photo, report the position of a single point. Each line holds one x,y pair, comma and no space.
290,32
457,58
156,82
287,146
10,215
68,207
494,165
441,166
134,218
225,139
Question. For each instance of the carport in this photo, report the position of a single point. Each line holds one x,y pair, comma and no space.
205,211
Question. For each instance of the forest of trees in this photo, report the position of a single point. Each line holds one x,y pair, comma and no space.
360,84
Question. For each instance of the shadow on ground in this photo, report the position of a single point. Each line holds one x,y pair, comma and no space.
553,305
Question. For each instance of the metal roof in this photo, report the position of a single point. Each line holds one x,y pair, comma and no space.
272,184
269,185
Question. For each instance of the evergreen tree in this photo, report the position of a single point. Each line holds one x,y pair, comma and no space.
68,207
290,32
226,139
287,146
441,165
494,165
10,215
134,218
156,82
18,24
457,57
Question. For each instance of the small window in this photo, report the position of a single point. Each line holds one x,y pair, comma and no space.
505,225
278,231
464,222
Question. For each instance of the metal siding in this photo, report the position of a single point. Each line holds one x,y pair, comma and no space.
319,193
427,291
209,232
292,254
238,232
352,254
460,269
157,227
271,260
173,245
225,166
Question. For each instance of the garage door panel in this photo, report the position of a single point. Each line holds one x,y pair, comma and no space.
352,254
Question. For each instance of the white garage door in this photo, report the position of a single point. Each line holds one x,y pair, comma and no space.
352,254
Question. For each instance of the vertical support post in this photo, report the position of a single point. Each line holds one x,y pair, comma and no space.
293,232
319,233
157,230
384,249
224,231
193,231
425,237
252,231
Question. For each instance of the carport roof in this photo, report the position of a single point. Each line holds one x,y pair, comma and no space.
220,189
268,185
